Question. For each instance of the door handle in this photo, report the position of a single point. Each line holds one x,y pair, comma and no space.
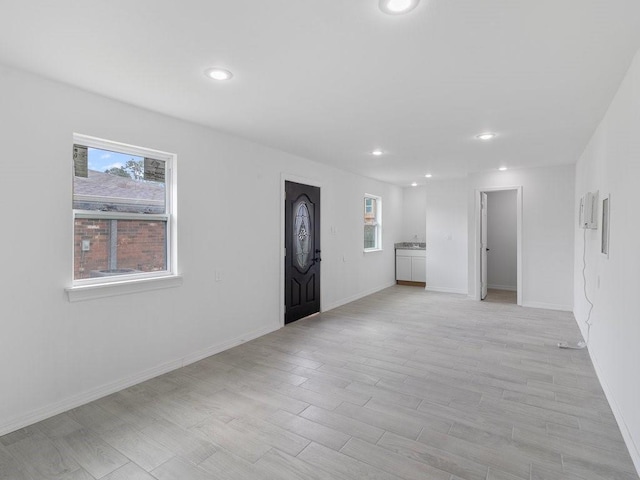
317,259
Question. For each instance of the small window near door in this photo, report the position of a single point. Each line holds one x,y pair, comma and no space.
372,223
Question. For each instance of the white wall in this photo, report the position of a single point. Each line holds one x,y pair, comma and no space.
502,267
548,219
547,231
54,354
414,214
611,164
447,236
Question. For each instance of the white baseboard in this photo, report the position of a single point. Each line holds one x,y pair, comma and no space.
353,298
461,291
548,306
634,451
83,398
503,287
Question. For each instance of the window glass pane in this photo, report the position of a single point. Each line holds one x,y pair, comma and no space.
105,247
368,205
119,182
369,209
370,236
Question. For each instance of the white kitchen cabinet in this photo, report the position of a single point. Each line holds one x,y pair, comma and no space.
419,269
403,268
411,265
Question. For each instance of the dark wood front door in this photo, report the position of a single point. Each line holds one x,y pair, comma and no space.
302,251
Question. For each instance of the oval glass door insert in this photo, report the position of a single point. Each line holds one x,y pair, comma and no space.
302,235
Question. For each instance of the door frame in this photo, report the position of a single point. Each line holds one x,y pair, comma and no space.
477,259
288,177
484,238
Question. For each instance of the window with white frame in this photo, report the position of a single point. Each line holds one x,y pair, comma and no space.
372,222
123,212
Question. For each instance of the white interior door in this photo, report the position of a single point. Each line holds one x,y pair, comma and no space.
483,245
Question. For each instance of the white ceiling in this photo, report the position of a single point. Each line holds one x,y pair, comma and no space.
331,80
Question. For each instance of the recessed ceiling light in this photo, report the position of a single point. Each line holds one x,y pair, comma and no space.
502,169
218,73
428,175
397,7
486,136
414,184
377,152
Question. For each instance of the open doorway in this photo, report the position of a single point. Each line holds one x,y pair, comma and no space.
502,241
499,241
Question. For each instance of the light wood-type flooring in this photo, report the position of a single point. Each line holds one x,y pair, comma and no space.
403,384
501,296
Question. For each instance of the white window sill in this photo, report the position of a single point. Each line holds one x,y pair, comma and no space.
370,250
91,292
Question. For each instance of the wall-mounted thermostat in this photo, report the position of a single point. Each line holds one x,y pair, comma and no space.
589,211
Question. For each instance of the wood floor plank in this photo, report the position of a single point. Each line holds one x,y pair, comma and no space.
386,395
424,419
278,437
594,470
80,474
391,462
180,441
440,459
59,426
16,436
274,399
10,469
342,466
349,426
512,462
130,411
41,459
601,456
346,395
91,452
137,447
311,430
242,442
402,425
130,471
226,466
275,465
179,469
319,399
96,418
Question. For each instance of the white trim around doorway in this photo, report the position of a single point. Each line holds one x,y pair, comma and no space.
477,239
